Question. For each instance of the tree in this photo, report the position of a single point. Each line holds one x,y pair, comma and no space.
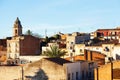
36,35
28,32
54,51
47,39
57,36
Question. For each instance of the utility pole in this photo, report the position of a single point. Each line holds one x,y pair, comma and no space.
22,73
45,32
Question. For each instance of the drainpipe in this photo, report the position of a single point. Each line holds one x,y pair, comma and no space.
97,74
22,73
111,71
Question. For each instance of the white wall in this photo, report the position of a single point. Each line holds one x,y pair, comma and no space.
27,59
94,48
13,48
80,67
116,52
79,49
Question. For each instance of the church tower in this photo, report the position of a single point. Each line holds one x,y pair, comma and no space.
17,29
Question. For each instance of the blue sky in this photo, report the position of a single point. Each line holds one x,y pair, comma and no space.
65,16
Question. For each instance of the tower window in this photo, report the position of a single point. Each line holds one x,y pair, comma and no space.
15,31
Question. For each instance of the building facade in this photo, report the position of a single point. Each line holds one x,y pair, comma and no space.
107,33
109,71
75,38
61,69
21,45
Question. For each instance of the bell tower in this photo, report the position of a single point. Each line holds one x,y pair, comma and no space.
17,29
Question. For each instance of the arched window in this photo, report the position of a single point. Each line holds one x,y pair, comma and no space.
16,56
115,33
15,31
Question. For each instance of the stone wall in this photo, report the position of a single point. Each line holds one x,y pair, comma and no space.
10,73
39,70
22,73
54,71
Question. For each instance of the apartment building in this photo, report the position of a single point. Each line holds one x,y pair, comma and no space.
75,38
106,33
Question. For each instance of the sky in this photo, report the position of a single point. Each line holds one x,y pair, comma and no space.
55,16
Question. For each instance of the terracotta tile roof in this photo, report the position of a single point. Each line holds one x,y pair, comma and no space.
59,61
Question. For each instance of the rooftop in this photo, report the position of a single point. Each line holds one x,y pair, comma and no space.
59,61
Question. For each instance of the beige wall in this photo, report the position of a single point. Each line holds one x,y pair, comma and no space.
10,73
94,48
13,49
105,72
23,45
110,47
53,70
79,49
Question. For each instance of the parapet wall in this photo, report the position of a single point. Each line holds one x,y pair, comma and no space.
10,73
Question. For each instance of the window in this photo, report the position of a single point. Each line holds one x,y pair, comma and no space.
71,47
111,33
15,49
9,50
71,42
80,50
15,55
15,31
82,75
106,49
9,45
115,33
107,33
72,76
110,59
89,74
86,74
15,45
16,62
9,56
76,75
97,48
71,54
69,76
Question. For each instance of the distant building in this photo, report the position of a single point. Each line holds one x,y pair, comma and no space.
3,51
3,42
110,50
44,48
75,38
79,49
107,33
21,45
91,56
